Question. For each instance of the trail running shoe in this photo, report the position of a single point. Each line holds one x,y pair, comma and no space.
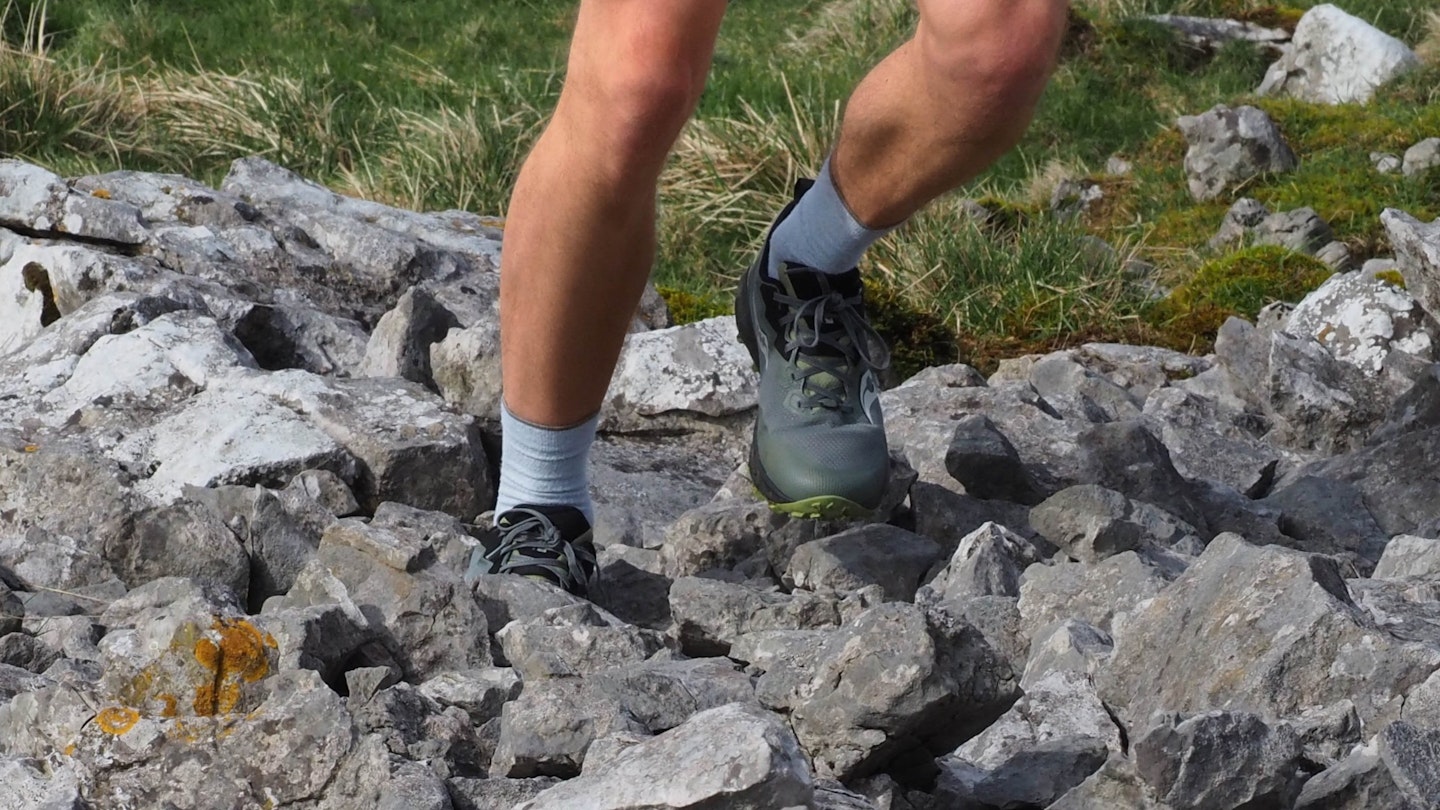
552,543
819,448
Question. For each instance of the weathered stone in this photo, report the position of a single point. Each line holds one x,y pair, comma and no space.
1337,255
1067,646
663,694
426,616
547,730
478,692
889,682
684,371
987,464
1244,215
12,611
732,756
33,199
1301,230
1399,768
1128,458
1422,705
324,488
1050,741
1091,523
947,517
1104,594
1325,516
1320,403
1361,319
1396,477
414,727
32,784
573,641
988,562
876,554
1079,392
1421,157
1220,759
1335,58
299,337
1207,440
400,344
279,544
1386,163
486,794
27,652
643,484
1211,33
465,367
1230,146
329,639
1279,633
710,614
1417,252
1410,557
184,540
504,598
1116,784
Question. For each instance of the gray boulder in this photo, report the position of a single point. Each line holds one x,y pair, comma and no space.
1050,741
875,554
1070,645
465,367
1104,594
1241,220
988,562
1410,557
1361,319
1336,58
400,344
662,694
1206,439
1279,632
1230,146
887,683
1091,523
1417,252
550,727
1421,157
1301,230
1395,477
573,641
711,614
1220,759
1325,516
731,756
987,464
33,199
1397,769
685,372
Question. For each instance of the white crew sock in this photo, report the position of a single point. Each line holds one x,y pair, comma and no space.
545,466
820,232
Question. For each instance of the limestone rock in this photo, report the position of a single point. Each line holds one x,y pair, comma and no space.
876,554
36,200
1220,759
550,727
465,366
573,641
1336,58
1091,523
663,694
1397,769
1325,516
400,344
1360,320
1211,33
1417,251
1301,230
1206,439
1229,146
693,370
1279,631
711,614
731,756
988,562
1422,156
1410,557
987,464
1104,594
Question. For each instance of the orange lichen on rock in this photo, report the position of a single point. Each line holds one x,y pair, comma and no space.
239,657
117,720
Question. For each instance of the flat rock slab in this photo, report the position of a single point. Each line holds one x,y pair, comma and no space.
1336,58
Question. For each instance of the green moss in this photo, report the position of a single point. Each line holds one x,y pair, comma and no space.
687,307
917,338
1391,277
1239,284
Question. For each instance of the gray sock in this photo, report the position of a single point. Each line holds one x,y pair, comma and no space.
820,231
545,466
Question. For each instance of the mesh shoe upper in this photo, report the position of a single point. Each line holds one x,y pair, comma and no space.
552,543
819,432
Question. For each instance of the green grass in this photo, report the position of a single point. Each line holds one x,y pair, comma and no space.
433,105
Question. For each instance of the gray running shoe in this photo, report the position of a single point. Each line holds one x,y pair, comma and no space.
819,448
552,543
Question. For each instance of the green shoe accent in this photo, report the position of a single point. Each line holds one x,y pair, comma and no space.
824,507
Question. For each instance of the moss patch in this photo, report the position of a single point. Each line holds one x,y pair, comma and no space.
1239,284
687,307
917,337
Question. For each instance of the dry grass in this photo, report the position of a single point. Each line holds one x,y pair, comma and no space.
1428,48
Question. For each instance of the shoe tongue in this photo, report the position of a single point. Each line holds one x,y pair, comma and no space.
806,283
570,521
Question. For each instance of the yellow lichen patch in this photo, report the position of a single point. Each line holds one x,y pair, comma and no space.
238,657
70,750
101,193
32,448
171,705
117,720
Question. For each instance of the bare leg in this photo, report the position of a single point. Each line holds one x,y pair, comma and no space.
946,104
580,236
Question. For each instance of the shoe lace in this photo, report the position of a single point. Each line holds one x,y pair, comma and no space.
536,533
829,321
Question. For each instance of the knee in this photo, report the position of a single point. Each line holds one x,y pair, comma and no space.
1007,46
632,111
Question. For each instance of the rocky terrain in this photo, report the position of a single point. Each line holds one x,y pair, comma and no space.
247,434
